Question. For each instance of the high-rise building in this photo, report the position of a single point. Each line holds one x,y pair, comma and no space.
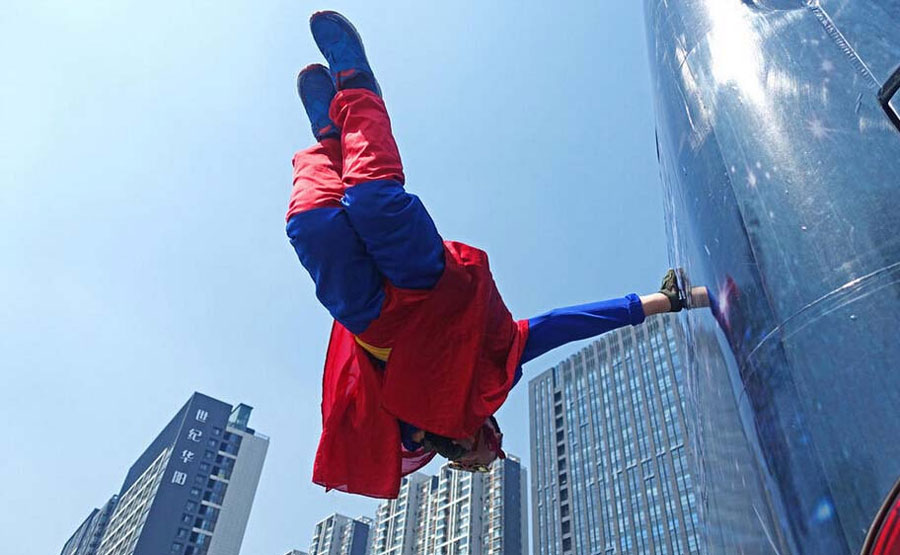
424,524
505,509
456,513
395,531
296,552
341,535
191,491
355,537
611,468
86,538
454,522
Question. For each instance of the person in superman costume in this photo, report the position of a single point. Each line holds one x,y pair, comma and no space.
423,351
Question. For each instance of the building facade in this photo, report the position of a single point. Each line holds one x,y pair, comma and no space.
396,530
191,491
611,468
87,537
456,513
341,535
505,509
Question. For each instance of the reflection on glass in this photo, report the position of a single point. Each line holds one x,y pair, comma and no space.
780,169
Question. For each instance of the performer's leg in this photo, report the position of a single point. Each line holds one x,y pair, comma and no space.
317,177
347,281
394,225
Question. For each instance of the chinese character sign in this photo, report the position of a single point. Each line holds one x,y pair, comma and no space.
199,427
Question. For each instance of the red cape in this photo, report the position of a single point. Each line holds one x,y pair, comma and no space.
455,350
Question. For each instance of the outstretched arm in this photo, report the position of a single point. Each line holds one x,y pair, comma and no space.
655,303
564,325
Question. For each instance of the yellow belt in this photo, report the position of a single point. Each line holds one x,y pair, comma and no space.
381,353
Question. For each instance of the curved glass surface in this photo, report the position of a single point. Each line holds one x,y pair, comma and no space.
782,180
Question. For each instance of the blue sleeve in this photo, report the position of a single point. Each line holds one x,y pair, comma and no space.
564,325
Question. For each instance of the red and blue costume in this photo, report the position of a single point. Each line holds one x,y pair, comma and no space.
421,337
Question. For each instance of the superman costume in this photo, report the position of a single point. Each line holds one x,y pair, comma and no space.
421,338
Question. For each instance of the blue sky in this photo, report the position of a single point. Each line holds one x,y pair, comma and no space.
145,166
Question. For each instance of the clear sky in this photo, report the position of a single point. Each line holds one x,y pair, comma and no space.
145,167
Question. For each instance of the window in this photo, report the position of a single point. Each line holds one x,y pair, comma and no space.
204,524
176,547
208,512
887,97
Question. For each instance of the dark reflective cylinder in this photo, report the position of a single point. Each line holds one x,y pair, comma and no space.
782,177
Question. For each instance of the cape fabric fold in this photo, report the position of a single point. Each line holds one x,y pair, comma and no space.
455,350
